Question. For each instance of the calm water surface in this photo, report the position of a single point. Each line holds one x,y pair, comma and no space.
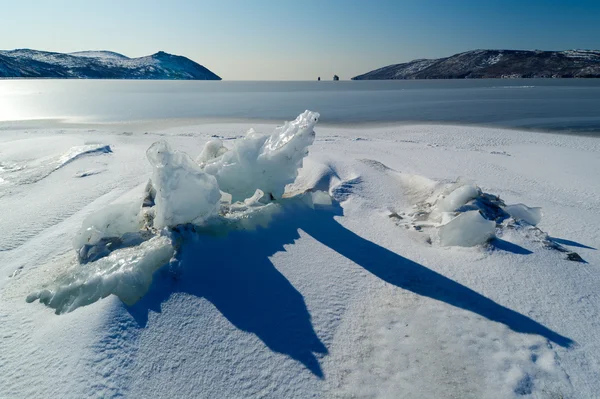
567,105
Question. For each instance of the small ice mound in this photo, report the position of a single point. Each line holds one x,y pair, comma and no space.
468,229
533,216
184,193
126,273
263,162
457,198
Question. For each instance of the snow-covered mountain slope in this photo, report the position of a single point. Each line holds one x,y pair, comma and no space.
496,64
356,298
25,63
100,54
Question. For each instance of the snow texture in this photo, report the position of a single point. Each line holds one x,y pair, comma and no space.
343,294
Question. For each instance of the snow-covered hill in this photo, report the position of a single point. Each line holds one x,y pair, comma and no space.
496,64
25,63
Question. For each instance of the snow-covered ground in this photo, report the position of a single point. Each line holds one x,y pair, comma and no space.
364,296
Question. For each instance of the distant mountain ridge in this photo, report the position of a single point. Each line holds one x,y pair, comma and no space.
26,63
481,64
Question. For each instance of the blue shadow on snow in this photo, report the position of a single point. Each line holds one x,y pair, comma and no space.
235,274
570,243
503,245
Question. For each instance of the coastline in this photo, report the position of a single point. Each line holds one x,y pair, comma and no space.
171,123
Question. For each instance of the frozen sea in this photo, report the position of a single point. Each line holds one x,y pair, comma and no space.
359,291
565,105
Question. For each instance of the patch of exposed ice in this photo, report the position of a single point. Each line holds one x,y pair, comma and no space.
184,193
126,273
522,212
457,198
463,215
262,162
467,230
211,151
113,221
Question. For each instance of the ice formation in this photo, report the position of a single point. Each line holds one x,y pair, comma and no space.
457,198
262,162
126,273
463,215
121,246
466,230
522,212
184,193
212,150
113,221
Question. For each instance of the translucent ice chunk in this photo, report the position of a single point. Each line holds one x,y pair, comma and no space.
113,221
184,193
466,230
267,163
457,198
212,150
126,273
522,212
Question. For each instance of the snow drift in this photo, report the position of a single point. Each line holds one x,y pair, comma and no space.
25,171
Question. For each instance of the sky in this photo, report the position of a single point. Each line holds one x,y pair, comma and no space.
298,40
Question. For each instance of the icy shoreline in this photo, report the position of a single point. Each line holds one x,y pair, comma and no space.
149,125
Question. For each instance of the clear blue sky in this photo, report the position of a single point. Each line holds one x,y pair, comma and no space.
298,40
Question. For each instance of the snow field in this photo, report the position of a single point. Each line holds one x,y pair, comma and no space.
333,300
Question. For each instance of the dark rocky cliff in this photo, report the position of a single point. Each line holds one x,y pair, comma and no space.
481,64
99,65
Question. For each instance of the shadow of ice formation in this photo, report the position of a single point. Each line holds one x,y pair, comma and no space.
570,243
507,246
409,275
235,274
